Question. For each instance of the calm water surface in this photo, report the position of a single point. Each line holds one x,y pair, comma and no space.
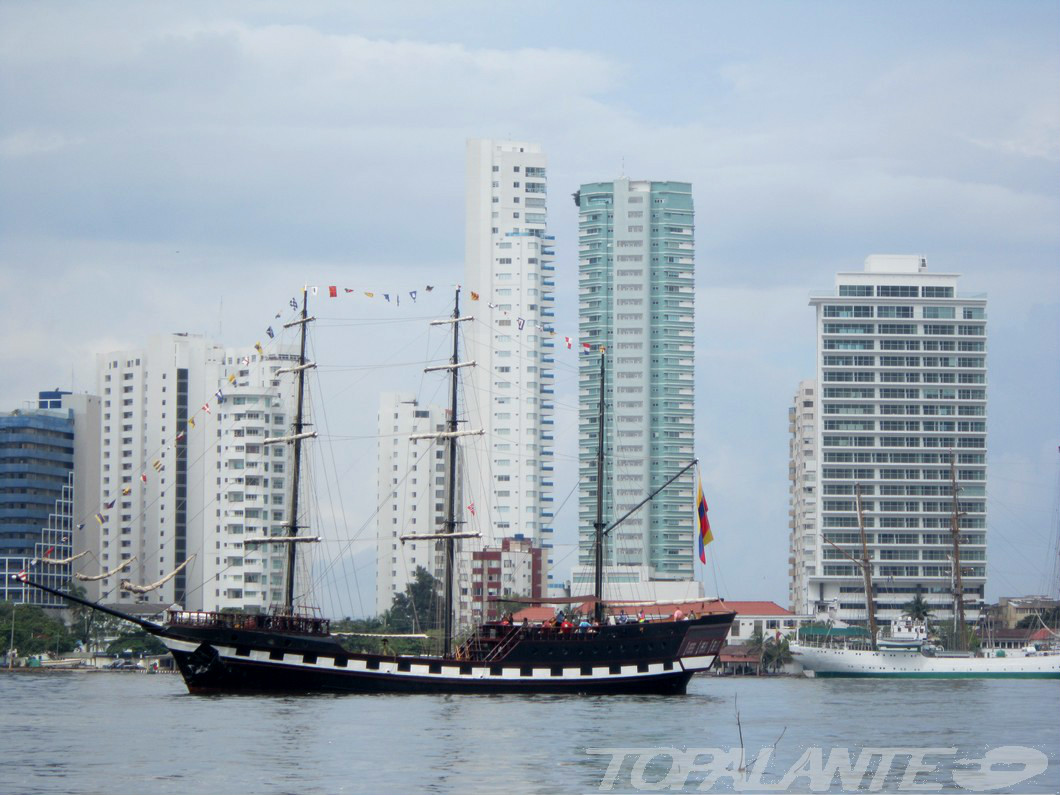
118,732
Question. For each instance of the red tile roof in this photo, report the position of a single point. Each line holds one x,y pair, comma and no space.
534,614
758,608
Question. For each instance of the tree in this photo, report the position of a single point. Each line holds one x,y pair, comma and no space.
917,608
83,618
950,639
414,610
137,642
756,647
776,654
1049,616
36,632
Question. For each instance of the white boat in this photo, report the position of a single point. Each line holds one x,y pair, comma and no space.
923,663
907,652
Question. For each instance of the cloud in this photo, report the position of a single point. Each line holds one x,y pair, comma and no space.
25,143
161,162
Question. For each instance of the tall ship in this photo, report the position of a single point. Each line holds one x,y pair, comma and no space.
291,649
907,651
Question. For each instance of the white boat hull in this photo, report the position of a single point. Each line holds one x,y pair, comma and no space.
818,661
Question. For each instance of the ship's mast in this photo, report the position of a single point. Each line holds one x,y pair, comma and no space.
866,569
958,586
448,535
297,437
450,507
598,525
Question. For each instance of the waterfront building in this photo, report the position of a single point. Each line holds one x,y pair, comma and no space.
802,514
636,289
252,499
49,476
411,482
512,568
764,618
901,370
1010,610
510,393
198,481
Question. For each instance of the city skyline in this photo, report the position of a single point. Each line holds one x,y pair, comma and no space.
201,203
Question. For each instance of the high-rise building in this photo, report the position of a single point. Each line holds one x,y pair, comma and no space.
510,393
901,371
802,515
636,289
187,483
411,482
49,457
252,497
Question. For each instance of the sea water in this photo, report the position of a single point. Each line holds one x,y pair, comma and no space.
142,733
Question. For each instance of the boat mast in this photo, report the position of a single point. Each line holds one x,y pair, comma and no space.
866,569
958,586
299,426
598,525
450,508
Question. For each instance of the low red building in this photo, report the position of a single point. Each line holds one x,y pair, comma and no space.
515,569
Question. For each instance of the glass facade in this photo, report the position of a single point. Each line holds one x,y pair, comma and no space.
36,501
636,289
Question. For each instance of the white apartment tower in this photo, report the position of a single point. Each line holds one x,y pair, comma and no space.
411,484
252,481
179,476
508,264
901,370
802,515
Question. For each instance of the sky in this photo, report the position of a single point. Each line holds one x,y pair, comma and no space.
188,166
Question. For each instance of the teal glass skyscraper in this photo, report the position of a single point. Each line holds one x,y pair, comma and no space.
636,291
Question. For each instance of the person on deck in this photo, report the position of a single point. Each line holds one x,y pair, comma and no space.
623,618
678,615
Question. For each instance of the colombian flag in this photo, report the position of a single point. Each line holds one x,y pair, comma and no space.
705,536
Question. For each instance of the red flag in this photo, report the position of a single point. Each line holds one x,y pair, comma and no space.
333,291
471,509
568,341
143,477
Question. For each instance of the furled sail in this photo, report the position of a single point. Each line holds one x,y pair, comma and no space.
128,585
104,575
63,561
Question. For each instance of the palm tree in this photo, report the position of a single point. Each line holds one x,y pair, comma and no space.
776,654
917,609
756,647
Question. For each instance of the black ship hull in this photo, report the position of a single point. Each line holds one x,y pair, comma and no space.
646,658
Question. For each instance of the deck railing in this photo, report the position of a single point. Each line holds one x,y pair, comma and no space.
295,625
